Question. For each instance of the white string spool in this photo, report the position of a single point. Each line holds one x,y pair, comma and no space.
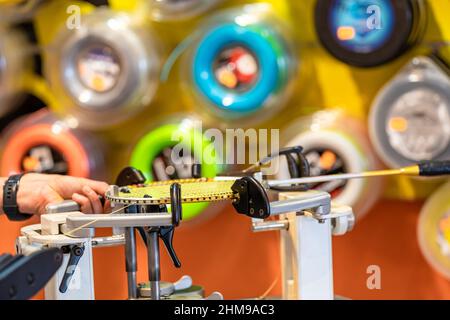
410,118
105,71
345,139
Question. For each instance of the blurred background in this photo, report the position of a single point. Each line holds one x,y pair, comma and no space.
90,87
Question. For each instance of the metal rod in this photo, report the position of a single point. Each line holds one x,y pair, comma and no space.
112,241
119,220
155,290
345,176
154,272
270,226
320,201
131,262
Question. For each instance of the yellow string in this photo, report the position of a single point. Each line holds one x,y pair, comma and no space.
266,293
71,232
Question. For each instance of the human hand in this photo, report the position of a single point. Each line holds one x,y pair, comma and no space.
36,191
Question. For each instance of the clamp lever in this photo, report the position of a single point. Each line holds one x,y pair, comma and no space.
76,252
298,167
129,176
166,233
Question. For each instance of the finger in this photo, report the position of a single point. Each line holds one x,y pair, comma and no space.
84,202
48,196
98,186
107,208
95,200
69,185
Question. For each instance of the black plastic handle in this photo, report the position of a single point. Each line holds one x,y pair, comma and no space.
196,171
21,277
434,168
76,252
129,176
175,204
166,234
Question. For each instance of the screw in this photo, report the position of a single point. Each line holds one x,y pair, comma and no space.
77,251
58,257
65,249
12,292
30,279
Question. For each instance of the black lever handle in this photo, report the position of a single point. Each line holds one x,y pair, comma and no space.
76,252
298,167
292,166
196,171
175,204
284,151
129,176
166,234
434,168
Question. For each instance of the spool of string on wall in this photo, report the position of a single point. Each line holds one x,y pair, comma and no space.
106,71
238,66
369,33
177,148
410,122
433,230
13,63
22,90
410,117
335,143
14,11
175,10
41,143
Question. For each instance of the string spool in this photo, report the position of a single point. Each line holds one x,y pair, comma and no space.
41,143
410,118
12,11
15,64
106,71
369,33
334,143
169,151
240,65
